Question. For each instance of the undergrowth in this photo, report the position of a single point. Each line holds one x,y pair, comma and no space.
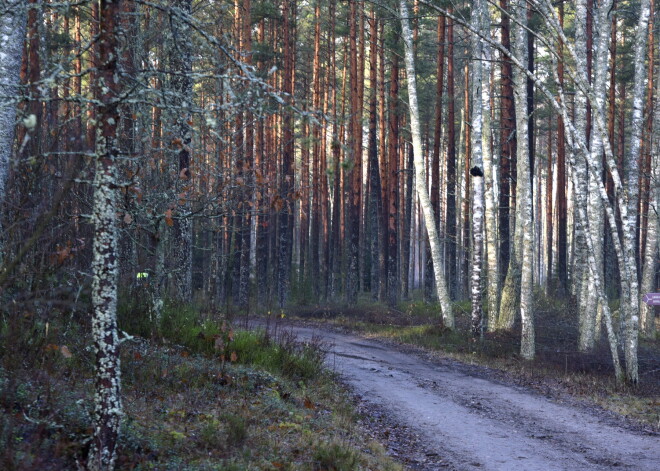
198,394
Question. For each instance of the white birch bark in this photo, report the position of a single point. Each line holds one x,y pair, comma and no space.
575,140
647,313
525,230
13,23
181,84
631,305
601,62
107,396
578,269
598,286
490,190
479,76
420,171
492,262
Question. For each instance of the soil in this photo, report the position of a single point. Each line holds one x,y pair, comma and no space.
435,413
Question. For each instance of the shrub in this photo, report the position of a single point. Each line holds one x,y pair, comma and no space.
334,457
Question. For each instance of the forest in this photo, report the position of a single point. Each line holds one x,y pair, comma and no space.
230,158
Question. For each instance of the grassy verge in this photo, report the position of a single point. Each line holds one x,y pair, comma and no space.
203,397
559,367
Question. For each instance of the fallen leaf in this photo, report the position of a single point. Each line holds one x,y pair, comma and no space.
233,357
308,403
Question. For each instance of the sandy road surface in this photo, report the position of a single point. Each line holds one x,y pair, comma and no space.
472,423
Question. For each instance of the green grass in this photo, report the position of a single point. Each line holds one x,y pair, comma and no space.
199,396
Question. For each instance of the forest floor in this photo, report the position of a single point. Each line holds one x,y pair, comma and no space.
203,396
434,412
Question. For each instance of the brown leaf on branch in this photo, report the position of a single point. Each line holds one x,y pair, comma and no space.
168,218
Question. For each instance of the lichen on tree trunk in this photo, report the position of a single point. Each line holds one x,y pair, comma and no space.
107,396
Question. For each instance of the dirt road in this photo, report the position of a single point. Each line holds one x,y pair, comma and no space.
465,422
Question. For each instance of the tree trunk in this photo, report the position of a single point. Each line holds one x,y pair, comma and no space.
247,235
107,397
420,170
480,126
318,173
355,173
631,306
647,313
435,160
181,56
561,204
13,24
287,176
507,144
524,185
391,196
375,191
450,219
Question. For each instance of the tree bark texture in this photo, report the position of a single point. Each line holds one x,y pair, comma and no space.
107,395
420,170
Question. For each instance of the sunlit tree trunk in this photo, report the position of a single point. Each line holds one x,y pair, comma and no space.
507,147
435,159
450,162
420,170
383,158
561,204
355,172
318,171
375,190
645,153
581,190
524,185
490,214
647,317
631,304
510,240
480,135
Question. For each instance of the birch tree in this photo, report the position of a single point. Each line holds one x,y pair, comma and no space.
524,223
182,103
107,397
480,136
631,305
420,170
13,23
647,313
